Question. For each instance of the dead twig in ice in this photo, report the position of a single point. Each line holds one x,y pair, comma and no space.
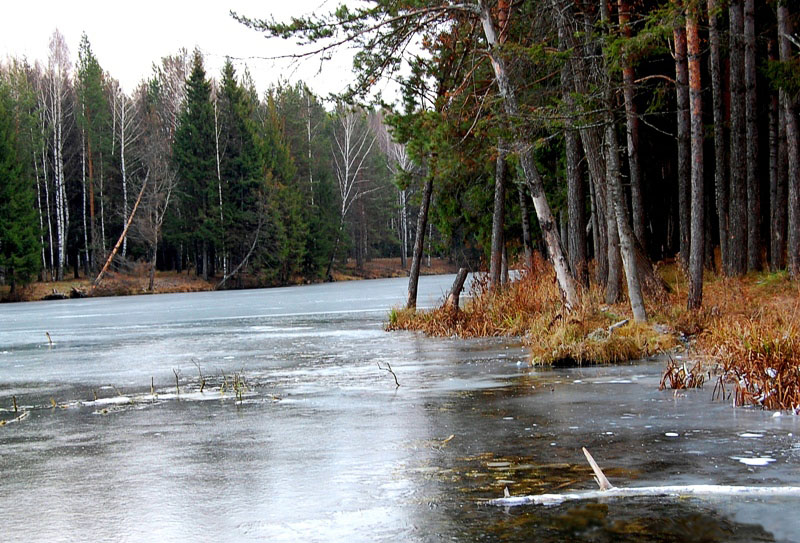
390,370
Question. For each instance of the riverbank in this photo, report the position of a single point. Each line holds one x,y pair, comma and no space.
746,338
136,281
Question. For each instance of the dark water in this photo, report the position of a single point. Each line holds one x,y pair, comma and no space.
298,435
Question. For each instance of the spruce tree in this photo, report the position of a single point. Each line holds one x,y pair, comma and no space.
19,246
194,155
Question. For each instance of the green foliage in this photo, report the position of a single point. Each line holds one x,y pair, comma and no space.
194,151
19,244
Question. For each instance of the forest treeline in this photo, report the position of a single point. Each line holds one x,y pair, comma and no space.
639,129
208,176
606,134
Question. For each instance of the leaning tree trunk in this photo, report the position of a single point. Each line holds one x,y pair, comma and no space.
696,98
532,177
684,144
738,155
498,216
632,127
419,244
751,127
720,160
792,149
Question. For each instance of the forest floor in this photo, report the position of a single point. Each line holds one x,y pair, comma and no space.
745,339
136,281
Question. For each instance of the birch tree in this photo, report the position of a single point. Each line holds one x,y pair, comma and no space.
58,117
352,143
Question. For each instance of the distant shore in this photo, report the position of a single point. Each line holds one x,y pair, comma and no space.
135,283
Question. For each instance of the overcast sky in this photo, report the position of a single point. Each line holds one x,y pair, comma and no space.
127,37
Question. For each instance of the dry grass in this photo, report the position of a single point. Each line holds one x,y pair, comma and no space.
532,308
753,332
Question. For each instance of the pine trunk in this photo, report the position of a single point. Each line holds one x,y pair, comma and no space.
576,204
419,244
632,128
720,159
777,181
696,253
738,156
751,116
526,226
498,217
684,144
792,150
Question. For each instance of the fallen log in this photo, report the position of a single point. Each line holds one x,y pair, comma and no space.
670,491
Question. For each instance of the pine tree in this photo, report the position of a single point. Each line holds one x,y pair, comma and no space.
19,246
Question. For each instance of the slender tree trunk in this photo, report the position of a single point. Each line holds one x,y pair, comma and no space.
102,210
632,128
49,218
696,97
498,217
738,161
403,228
777,186
153,254
792,149
616,193
720,158
526,226
83,202
751,118
308,147
684,144
532,177
596,247
614,278
123,171
419,244
217,130
39,209
576,203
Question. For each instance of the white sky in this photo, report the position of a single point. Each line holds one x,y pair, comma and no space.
128,37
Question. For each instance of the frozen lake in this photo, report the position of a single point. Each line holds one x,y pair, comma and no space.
321,446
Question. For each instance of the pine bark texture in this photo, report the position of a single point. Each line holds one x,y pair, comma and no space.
751,130
632,127
792,151
684,144
696,253
720,158
498,216
737,213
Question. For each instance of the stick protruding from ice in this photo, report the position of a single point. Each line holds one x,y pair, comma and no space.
599,476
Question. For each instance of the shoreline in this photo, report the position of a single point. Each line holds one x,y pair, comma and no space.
135,283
